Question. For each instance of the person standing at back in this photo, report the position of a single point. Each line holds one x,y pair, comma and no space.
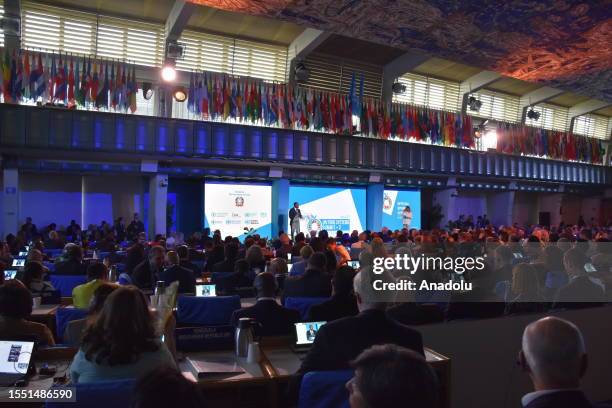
295,215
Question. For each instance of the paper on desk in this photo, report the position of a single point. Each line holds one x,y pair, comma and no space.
206,366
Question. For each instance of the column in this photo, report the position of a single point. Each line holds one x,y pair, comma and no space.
280,206
158,199
374,206
445,199
499,208
10,202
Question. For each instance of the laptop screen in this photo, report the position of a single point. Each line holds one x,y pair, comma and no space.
10,274
353,264
23,254
206,290
19,262
306,332
15,356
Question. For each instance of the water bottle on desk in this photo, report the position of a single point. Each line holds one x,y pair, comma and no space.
159,296
244,336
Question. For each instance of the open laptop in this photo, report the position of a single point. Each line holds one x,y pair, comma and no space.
305,334
15,360
353,264
206,290
23,254
19,263
10,274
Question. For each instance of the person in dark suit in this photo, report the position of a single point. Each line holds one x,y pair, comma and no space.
341,341
183,253
342,302
71,262
227,264
175,272
134,228
295,214
314,283
237,281
554,356
272,319
145,273
582,290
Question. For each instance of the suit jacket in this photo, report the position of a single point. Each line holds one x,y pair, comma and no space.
410,313
341,341
564,399
144,276
333,309
313,283
580,292
192,267
298,268
293,212
229,283
226,265
178,273
272,318
70,267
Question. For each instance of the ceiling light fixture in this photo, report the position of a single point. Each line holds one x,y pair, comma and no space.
179,94
147,90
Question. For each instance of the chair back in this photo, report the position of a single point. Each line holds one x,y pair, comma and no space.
50,266
65,283
206,311
63,316
556,280
324,389
102,394
303,304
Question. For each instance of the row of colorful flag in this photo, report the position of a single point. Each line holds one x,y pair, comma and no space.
528,140
68,80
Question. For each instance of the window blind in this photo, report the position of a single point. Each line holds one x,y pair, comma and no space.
551,117
592,125
210,52
498,106
430,92
1,15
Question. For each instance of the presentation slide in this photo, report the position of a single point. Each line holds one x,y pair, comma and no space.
231,208
395,213
329,208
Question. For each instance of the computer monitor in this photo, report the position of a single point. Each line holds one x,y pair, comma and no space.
19,263
305,333
206,290
15,357
10,274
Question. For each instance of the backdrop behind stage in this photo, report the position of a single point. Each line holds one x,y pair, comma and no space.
393,205
329,208
232,207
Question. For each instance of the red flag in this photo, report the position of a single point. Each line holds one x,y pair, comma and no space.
71,84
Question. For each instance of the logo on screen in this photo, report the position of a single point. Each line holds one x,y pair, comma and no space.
387,202
313,224
239,201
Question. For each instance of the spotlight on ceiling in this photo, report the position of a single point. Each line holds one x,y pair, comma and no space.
147,90
179,94
398,88
474,104
532,114
168,72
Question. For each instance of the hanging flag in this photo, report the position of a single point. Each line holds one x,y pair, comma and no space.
59,95
6,73
133,106
191,94
111,87
27,89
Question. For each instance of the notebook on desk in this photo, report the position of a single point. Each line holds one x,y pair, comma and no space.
213,365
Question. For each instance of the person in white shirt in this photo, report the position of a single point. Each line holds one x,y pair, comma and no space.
406,217
342,255
554,355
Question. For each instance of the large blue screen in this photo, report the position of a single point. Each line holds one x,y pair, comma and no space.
329,208
394,204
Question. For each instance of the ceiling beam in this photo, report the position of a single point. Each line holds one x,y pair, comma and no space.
178,18
398,67
12,10
475,83
304,44
537,96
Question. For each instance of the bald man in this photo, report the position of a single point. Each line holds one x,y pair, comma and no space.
554,356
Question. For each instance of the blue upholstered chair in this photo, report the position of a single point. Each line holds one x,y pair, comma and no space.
206,311
324,389
103,394
65,283
64,315
302,304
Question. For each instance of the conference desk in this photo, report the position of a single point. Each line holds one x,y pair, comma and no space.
261,384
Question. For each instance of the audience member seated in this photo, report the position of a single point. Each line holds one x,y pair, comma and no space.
145,273
228,285
314,283
15,309
278,266
361,242
342,302
526,292
582,289
32,278
97,274
554,356
342,255
299,268
71,261
227,264
255,257
74,329
121,343
163,387
272,319
183,253
339,342
300,242
387,374
135,255
175,272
